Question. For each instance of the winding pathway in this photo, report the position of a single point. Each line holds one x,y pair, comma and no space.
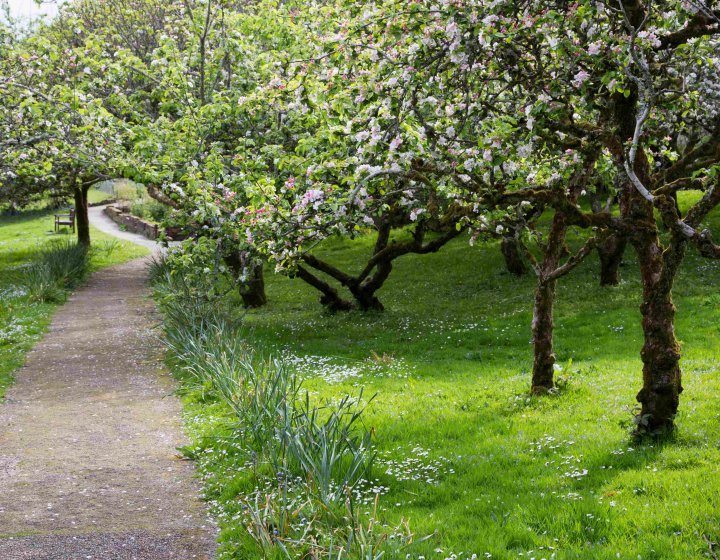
88,466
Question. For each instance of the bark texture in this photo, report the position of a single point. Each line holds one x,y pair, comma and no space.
662,379
82,220
513,259
611,252
543,374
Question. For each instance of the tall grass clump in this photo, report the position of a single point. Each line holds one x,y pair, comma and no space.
311,463
58,268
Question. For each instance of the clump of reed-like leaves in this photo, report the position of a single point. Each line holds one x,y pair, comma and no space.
311,461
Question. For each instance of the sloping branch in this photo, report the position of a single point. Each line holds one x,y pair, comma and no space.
574,260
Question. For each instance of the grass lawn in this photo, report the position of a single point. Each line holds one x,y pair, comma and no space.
95,196
23,321
477,468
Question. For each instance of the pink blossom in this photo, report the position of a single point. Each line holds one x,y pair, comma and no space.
580,78
314,197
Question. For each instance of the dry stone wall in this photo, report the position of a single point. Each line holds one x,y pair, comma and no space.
121,216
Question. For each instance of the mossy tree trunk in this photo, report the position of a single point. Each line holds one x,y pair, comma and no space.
543,373
662,378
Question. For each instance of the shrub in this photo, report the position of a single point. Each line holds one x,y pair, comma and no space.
157,211
138,209
328,447
148,208
323,445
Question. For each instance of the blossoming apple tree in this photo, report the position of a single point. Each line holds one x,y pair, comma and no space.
497,107
58,136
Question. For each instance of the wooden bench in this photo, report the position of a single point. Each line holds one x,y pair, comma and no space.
65,220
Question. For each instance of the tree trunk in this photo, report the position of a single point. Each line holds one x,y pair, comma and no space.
82,220
662,383
513,259
364,294
542,324
662,378
611,253
542,337
252,289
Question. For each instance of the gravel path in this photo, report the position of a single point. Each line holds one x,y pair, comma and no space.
100,220
88,465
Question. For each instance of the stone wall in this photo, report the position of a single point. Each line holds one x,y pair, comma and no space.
122,216
102,202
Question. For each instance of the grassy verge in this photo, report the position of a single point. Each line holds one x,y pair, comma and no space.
24,316
473,465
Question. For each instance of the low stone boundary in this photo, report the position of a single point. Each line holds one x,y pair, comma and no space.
102,202
121,216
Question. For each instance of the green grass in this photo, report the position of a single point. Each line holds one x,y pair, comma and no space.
511,476
23,321
95,196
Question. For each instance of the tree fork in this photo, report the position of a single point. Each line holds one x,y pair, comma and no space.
543,372
364,293
330,297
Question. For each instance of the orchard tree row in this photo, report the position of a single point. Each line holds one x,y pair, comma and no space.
272,125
